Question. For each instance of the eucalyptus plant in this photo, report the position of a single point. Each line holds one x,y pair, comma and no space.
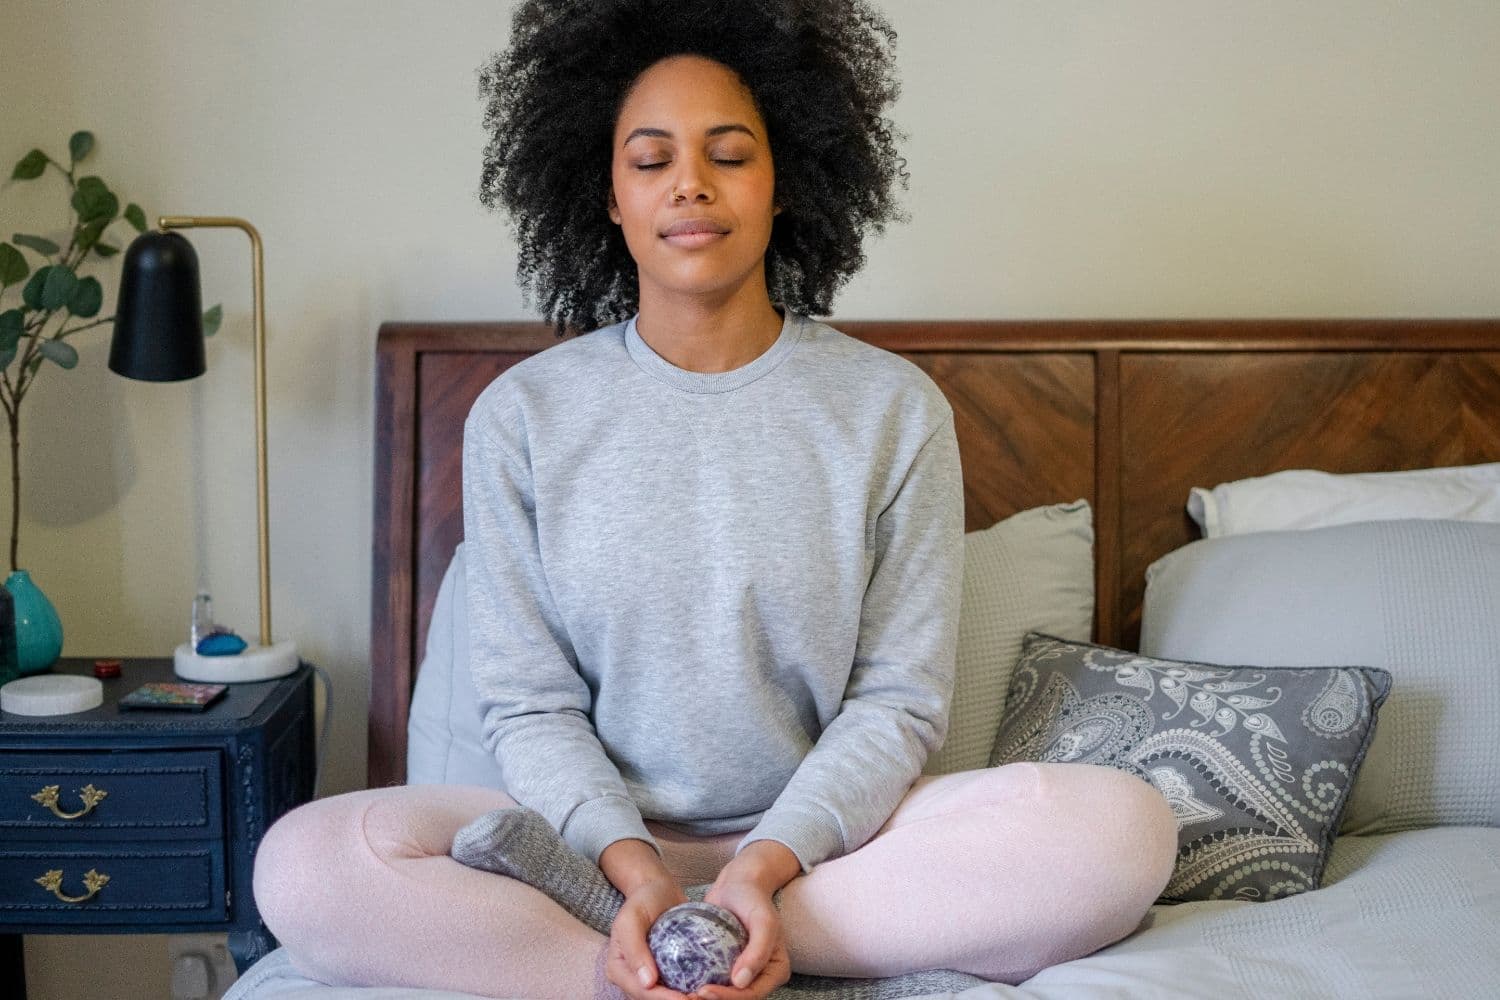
56,290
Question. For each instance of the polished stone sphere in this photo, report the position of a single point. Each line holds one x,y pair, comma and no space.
695,944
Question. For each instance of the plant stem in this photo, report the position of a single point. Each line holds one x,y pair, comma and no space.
63,333
14,413
11,394
23,381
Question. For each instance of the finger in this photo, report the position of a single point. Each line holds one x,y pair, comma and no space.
717,992
757,990
765,933
777,972
629,932
623,975
618,973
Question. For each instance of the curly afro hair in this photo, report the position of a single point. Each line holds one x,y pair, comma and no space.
821,73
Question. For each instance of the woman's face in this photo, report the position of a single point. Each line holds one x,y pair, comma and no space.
692,180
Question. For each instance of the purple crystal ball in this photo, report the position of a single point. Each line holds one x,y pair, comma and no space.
695,944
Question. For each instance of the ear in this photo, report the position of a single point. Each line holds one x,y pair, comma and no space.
614,208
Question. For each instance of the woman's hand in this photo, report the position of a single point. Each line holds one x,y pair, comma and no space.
764,964
629,955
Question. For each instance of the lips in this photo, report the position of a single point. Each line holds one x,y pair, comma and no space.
691,227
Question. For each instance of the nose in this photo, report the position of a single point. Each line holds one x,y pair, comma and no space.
691,183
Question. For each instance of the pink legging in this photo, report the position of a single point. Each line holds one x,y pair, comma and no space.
997,872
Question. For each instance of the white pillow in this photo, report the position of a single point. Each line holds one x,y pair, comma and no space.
1299,499
1032,571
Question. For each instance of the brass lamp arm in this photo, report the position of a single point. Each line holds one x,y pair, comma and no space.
263,510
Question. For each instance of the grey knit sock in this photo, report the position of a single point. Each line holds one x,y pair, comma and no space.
519,843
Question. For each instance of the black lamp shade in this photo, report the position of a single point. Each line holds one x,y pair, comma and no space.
159,314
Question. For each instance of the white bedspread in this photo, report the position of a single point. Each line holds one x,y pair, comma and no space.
1414,914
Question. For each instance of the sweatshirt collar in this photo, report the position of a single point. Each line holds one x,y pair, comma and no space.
656,365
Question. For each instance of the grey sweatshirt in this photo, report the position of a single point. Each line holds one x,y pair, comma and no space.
720,601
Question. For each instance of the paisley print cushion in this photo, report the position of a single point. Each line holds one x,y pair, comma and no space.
1257,762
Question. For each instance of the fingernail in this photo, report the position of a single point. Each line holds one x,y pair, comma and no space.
742,978
644,975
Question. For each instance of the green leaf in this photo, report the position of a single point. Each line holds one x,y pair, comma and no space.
59,287
135,217
87,235
32,293
13,266
7,355
12,322
59,351
211,320
105,250
31,166
93,200
87,298
79,145
40,244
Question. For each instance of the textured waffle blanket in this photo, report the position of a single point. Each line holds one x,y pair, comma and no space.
1399,915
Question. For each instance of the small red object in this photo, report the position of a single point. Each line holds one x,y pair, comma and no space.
106,668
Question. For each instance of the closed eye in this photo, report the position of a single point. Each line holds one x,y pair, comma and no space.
653,166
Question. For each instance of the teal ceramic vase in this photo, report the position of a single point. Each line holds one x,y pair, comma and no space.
39,636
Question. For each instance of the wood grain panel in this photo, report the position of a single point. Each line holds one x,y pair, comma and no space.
1025,428
1128,413
1206,418
448,382
391,669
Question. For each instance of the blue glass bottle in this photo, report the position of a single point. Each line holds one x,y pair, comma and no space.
39,636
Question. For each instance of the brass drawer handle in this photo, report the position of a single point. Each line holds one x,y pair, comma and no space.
92,881
91,797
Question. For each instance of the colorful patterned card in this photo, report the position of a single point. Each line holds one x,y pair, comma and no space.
166,694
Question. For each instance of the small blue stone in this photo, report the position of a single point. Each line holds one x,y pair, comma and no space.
220,644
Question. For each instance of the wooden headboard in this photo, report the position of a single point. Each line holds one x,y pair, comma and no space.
1127,413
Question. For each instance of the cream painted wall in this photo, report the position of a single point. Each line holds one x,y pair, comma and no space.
1068,159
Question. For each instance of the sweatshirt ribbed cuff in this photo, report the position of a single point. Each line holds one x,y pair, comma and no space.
813,836
597,823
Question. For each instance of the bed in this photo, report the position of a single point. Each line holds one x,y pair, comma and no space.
1128,415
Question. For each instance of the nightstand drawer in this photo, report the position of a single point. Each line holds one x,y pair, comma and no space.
154,883
141,795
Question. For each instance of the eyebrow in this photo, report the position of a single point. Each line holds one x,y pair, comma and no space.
661,133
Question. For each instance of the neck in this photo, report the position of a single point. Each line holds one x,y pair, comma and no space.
708,335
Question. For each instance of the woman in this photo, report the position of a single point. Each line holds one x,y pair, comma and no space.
715,559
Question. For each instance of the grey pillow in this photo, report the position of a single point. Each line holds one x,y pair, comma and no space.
1420,598
1033,570
443,727
1256,761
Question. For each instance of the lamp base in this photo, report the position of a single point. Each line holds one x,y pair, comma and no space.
257,663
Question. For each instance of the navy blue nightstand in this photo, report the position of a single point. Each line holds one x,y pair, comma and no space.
186,798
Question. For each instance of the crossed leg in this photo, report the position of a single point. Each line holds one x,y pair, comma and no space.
997,872
360,890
